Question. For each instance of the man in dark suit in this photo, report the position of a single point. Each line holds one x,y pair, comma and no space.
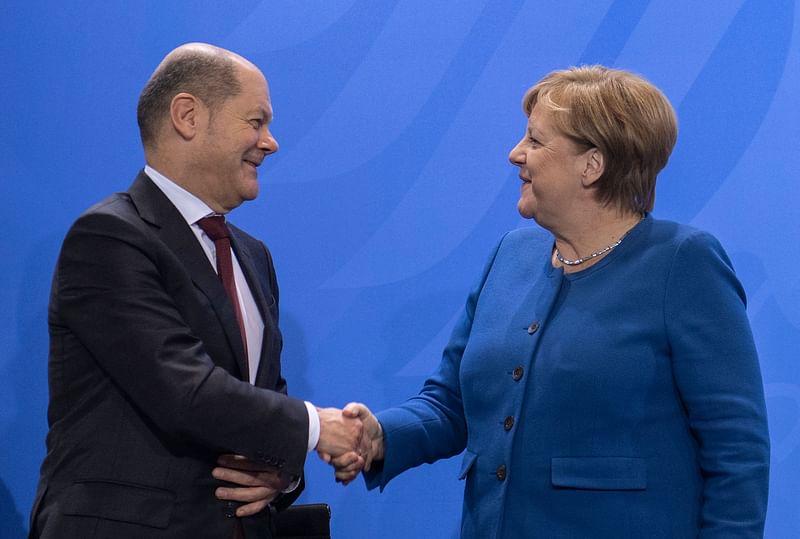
168,413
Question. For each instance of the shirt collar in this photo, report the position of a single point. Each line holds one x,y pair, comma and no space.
188,205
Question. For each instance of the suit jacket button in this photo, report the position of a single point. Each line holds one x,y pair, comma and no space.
229,509
508,423
533,328
501,472
517,373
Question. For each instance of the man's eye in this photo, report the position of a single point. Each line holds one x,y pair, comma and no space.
256,123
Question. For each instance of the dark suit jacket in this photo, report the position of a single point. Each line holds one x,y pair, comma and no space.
145,376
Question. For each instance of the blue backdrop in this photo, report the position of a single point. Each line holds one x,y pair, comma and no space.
395,119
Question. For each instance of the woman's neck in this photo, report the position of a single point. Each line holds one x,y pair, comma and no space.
584,243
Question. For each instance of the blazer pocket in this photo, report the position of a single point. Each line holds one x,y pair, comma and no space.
123,502
599,473
466,463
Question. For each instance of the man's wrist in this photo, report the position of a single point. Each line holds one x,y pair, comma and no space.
313,427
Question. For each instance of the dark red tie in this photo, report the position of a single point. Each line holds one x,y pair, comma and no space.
216,229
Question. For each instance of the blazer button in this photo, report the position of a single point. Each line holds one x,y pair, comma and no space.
533,328
501,472
508,423
517,373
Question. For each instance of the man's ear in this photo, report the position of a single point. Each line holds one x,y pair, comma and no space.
184,113
594,166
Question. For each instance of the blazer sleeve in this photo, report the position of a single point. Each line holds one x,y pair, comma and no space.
717,373
115,288
431,425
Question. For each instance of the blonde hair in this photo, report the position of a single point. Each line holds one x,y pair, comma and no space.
621,114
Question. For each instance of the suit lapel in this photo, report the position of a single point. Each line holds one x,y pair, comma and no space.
248,266
155,208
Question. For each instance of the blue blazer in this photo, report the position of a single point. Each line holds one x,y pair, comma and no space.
621,401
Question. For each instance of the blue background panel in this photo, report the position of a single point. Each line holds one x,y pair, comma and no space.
395,119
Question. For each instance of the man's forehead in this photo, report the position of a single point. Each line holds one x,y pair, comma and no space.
254,83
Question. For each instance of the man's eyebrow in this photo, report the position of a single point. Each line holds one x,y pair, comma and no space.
265,113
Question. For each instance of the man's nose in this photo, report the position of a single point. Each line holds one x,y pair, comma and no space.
268,142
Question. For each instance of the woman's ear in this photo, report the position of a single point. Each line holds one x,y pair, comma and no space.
594,166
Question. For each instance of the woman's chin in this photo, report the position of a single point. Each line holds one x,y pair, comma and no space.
525,210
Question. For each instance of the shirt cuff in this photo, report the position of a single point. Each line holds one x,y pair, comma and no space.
292,486
313,426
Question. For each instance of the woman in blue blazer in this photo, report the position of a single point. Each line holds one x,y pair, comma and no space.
602,381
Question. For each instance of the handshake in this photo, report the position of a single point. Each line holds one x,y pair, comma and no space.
349,440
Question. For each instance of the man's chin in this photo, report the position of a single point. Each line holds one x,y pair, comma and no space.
250,188
250,195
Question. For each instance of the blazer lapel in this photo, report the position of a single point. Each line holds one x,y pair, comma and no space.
155,208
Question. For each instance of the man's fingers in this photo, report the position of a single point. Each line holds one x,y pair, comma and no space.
345,477
251,508
246,494
338,433
348,460
247,478
347,466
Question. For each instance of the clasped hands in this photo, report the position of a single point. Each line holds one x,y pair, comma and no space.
348,459
350,440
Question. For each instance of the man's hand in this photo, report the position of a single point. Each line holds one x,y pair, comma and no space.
339,434
259,484
350,464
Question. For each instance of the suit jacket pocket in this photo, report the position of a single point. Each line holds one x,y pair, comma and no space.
467,463
599,473
124,502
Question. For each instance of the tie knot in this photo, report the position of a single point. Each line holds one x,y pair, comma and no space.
214,226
